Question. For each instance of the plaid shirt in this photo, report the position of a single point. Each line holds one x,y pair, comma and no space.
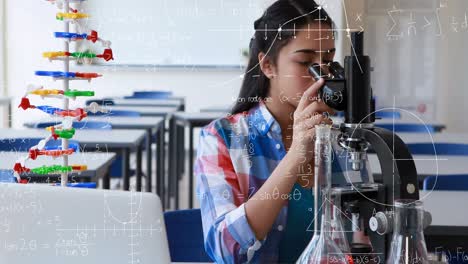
236,155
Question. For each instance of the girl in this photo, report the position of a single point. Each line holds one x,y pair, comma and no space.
255,167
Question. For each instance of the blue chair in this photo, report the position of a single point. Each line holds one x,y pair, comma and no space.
121,113
157,95
438,148
6,176
153,93
24,144
83,185
388,114
80,125
408,128
446,183
185,235
150,95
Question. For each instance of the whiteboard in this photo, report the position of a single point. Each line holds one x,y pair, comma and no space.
175,32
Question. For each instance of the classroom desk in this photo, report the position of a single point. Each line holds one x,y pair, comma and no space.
148,111
6,102
178,122
426,165
438,126
216,109
178,101
146,102
153,125
98,163
158,111
444,137
121,141
449,228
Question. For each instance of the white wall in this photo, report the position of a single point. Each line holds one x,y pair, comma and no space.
422,68
3,112
35,22
452,88
30,27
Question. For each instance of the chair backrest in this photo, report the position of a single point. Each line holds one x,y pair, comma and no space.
80,125
388,114
121,113
86,185
438,148
7,176
185,235
412,128
153,97
24,144
446,183
152,94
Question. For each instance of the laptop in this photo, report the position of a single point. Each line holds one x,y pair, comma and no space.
48,224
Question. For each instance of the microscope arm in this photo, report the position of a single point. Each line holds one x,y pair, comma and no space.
394,158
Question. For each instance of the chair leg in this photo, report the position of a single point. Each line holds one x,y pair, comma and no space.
106,181
190,174
138,169
126,169
172,171
149,163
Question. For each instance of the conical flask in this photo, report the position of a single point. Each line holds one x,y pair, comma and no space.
408,244
322,248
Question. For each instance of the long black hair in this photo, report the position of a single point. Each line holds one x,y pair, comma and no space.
284,16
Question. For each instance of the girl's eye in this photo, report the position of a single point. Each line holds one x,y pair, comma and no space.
305,63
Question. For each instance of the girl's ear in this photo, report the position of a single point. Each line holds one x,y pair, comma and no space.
266,65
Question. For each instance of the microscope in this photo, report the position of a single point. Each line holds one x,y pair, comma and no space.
349,90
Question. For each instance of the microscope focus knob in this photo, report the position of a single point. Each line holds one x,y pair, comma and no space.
427,220
382,223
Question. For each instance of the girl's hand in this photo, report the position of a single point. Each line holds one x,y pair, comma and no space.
310,111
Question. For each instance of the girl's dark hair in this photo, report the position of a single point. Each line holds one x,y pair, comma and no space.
285,15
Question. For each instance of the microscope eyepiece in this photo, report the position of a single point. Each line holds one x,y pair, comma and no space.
333,92
317,72
336,70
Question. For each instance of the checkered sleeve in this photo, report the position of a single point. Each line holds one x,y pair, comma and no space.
228,236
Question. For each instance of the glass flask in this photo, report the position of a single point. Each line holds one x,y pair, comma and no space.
322,248
408,244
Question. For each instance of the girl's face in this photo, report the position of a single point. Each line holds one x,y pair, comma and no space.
289,76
